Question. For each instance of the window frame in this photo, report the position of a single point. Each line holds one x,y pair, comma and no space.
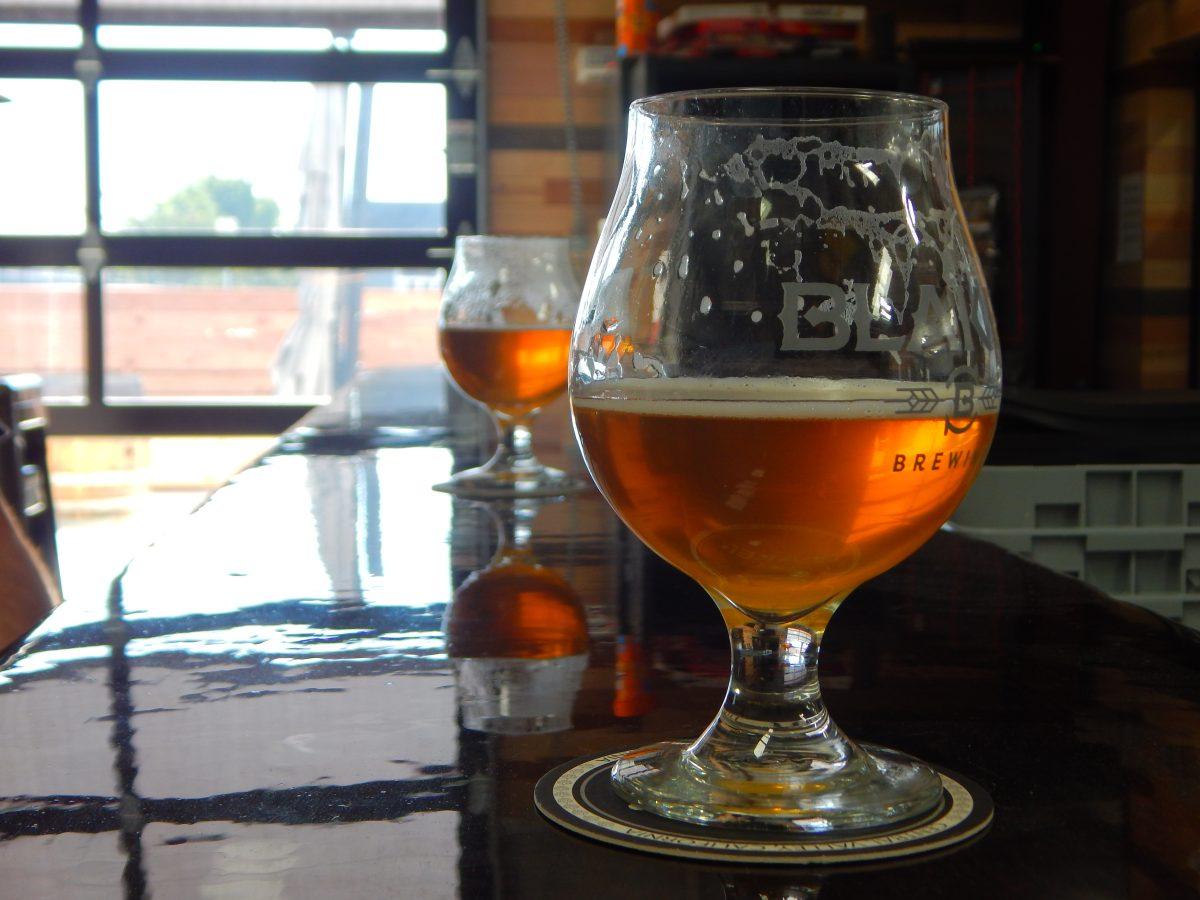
459,66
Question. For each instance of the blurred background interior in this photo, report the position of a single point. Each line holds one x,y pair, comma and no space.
216,216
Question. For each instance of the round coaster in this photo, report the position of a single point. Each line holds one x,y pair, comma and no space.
578,796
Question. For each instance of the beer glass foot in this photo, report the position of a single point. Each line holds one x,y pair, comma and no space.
874,787
489,482
512,472
773,758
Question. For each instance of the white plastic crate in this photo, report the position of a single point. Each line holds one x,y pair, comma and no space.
1132,531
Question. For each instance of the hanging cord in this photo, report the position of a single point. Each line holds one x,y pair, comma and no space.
562,43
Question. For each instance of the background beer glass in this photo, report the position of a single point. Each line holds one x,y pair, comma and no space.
505,332
784,377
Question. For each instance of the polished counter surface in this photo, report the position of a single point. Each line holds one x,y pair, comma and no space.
318,685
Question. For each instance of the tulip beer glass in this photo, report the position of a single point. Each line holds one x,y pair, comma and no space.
784,378
505,332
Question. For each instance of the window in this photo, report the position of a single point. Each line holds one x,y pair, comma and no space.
213,214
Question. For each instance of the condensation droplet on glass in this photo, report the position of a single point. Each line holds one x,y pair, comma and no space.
756,316
659,268
741,217
691,233
737,265
683,266
660,195
611,324
705,305
716,234
718,198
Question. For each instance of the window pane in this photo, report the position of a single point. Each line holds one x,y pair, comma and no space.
337,15
284,334
41,327
42,190
233,37
272,157
187,37
398,40
28,34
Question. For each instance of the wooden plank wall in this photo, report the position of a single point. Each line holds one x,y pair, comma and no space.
529,188
1148,299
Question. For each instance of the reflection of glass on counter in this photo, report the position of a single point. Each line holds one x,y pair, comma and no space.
518,636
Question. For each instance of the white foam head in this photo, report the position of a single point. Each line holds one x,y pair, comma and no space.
770,398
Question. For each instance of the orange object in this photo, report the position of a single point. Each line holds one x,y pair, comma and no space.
632,697
637,21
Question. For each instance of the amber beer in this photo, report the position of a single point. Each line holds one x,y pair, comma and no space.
779,493
515,610
512,370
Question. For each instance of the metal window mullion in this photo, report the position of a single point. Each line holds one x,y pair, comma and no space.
220,65
36,250
91,248
268,65
177,418
93,337
269,251
465,102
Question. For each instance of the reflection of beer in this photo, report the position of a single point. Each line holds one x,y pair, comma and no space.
779,493
511,370
515,610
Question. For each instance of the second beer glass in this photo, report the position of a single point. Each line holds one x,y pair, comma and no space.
505,332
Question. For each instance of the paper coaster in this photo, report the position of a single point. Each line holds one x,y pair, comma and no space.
579,797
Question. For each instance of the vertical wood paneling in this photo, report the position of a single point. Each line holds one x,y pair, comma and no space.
530,186
1149,301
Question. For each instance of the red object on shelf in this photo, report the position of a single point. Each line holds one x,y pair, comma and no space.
755,29
637,21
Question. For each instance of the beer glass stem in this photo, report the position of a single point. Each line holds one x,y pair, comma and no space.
773,717
773,757
514,447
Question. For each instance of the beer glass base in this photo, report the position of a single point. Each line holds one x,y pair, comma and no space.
492,483
873,787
